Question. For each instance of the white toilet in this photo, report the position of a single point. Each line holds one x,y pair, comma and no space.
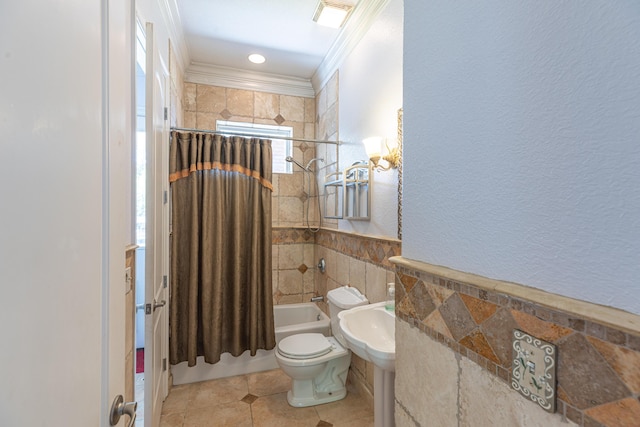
318,365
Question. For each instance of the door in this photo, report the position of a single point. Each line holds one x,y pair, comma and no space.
157,231
65,120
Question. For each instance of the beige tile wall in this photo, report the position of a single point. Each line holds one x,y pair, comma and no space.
327,129
362,262
294,195
465,322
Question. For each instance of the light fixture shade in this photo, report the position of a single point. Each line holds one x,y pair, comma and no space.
331,14
382,156
373,146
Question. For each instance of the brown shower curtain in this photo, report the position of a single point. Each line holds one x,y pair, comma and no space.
221,299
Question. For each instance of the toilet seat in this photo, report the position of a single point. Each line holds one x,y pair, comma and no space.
304,346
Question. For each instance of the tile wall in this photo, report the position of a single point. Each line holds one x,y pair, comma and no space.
362,262
293,195
328,129
598,362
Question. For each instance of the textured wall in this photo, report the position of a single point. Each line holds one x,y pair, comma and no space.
521,143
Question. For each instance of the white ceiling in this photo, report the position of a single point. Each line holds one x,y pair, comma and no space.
223,33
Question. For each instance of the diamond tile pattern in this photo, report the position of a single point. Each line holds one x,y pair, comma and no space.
279,119
226,114
598,366
249,398
457,317
585,375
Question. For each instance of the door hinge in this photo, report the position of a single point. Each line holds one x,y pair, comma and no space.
165,197
164,281
147,309
166,113
164,364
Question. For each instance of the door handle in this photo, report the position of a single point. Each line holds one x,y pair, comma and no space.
158,304
119,408
152,307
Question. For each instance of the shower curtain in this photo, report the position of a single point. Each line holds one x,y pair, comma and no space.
221,299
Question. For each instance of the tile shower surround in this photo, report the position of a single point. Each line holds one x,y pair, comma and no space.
598,365
297,251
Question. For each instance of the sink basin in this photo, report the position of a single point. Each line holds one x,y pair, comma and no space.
370,333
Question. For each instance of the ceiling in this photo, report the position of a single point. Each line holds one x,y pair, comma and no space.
222,33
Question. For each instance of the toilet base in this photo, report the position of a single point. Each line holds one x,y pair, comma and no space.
319,398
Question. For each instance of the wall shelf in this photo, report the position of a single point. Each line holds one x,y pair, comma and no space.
348,193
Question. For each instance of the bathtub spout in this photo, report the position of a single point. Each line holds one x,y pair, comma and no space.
317,299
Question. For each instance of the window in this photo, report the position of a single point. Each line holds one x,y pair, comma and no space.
281,148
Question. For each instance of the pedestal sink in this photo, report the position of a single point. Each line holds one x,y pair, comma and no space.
370,333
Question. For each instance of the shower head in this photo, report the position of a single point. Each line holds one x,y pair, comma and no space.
315,159
292,160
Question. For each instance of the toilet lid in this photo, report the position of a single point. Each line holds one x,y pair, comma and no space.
304,346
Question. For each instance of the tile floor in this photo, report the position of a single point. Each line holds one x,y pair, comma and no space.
257,400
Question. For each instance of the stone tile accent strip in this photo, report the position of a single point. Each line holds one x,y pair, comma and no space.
365,248
598,347
285,235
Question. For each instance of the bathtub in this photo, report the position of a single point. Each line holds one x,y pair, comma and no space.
289,319
293,319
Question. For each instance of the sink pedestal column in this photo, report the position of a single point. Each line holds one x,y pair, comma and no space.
383,397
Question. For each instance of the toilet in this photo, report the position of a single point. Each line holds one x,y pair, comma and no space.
318,365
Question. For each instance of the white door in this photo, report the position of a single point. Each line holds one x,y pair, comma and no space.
65,99
157,231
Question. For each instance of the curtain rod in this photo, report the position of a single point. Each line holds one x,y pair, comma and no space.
287,138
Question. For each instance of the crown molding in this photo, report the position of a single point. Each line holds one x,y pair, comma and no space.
356,27
241,79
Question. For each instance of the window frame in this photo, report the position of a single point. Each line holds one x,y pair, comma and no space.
264,131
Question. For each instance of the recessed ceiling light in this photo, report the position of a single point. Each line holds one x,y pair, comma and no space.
256,58
331,14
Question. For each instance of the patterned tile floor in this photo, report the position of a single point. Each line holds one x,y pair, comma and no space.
257,400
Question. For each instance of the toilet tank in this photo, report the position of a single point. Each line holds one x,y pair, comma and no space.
343,298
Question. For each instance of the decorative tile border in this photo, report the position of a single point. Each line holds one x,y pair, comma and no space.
375,250
365,248
598,364
290,235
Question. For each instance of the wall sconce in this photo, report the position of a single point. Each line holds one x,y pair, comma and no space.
376,152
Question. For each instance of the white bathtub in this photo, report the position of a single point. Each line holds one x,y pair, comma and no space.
289,319
293,319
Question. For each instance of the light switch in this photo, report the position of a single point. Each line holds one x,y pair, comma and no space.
533,371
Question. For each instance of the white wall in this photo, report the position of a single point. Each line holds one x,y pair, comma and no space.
522,158
370,94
